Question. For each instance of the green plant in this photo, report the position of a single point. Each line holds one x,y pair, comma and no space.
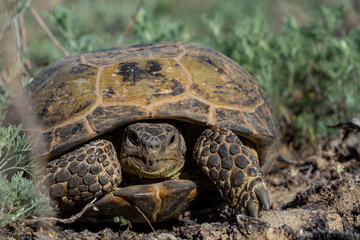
19,198
311,72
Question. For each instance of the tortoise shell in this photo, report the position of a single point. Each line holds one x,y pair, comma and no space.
87,94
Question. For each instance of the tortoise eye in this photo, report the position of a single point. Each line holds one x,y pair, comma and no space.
172,139
133,138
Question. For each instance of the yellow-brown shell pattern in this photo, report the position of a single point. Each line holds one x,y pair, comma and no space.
87,94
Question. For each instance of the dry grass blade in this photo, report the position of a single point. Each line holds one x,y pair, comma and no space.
67,220
48,32
145,218
130,24
8,23
286,160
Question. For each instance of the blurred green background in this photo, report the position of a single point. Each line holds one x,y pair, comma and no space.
305,54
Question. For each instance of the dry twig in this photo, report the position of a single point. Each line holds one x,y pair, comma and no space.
67,220
27,62
18,40
130,24
286,160
145,218
8,23
48,32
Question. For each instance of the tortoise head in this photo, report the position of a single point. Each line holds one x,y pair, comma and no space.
152,150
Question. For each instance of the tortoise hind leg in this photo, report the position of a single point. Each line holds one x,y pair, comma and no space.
233,169
83,174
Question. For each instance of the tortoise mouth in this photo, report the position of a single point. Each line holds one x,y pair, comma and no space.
158,168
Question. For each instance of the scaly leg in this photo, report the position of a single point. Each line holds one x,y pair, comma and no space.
233,169
83,174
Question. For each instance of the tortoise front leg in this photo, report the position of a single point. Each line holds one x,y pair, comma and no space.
233,169
83,174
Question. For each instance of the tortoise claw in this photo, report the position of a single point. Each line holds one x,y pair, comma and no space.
261,193
252,208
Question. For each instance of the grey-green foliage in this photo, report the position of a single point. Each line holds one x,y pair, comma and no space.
71,32
148,29
18,196
19,199
311,71
13,145
13,148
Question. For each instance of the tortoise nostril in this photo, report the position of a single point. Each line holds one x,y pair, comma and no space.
153,145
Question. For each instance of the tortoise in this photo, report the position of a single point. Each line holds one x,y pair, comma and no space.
148,129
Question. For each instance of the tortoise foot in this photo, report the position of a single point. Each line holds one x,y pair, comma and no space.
156,202
83,174
234,169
